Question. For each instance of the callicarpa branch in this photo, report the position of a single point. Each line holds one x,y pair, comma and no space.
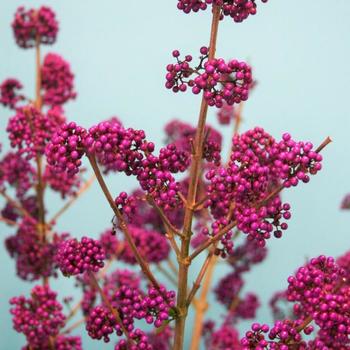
138,280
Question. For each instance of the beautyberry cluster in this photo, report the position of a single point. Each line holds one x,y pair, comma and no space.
65,150
74,257
57,80
220,82
29,130
39,318
9,96
34,26
238,10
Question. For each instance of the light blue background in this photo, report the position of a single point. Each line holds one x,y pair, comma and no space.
119,49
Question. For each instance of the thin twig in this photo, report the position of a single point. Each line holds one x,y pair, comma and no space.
122,224
166,273
73,326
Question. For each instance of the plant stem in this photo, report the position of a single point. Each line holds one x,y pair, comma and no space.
14,203
73,326
191,199
201,305
8,221
122,224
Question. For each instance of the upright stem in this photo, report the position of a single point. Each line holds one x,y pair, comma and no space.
191,199
201,305
40,185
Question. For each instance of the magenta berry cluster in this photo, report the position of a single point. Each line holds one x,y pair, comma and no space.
257,166
75,257
101,324
32,26
153,246
29,130
221,82
9,96
65,150
57,80
34,258
39,317
238,10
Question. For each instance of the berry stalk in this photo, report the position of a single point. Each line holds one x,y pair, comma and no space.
191,199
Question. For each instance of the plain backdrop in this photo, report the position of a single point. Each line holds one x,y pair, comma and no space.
119,49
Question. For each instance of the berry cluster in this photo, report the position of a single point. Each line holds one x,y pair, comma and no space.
220,82
152,245
74,257
34,258
65,150
126,204
238,10
101,324
64,184
9,96
29,130
57,80
17,172
258,164
39,317
31,26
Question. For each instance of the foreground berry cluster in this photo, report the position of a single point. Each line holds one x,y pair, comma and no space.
136,291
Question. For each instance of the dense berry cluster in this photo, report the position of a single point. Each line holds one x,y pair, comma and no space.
9,96
16,171
39,317
139,339
57,80
154,307
34,257
258,164
101,324
64,184
65,150
225,337
116,148
152,245
31,26
74,257
29,130
220,82
238,10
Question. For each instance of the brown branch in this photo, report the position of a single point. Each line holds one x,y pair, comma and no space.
8,221
167,224
201,274
168,275
123,226
15,204
201,304
73,326
194,177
